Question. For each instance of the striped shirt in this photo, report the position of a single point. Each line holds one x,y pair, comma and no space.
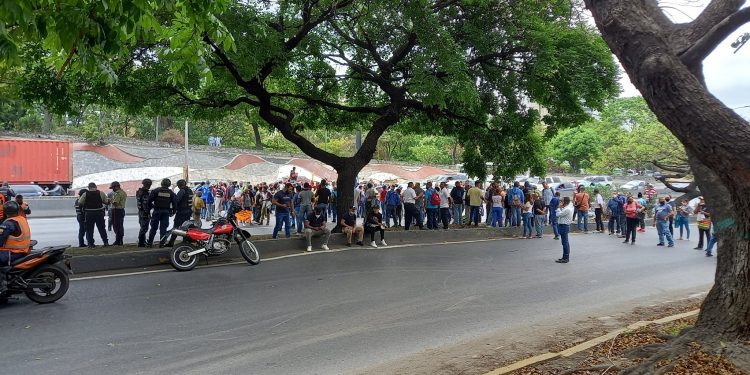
565,214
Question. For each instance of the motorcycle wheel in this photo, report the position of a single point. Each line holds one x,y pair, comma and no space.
60,283
180,259
249,252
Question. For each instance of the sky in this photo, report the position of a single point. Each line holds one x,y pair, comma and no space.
726,72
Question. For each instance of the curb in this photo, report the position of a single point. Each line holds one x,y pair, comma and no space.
273,248
586,345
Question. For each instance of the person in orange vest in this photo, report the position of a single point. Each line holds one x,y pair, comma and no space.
23,207
15,238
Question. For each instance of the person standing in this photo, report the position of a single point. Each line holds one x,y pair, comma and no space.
198,207
219,198
81,220
564,216
540,213
457,196
349,224
703,217
315,224
144,210
497,208
517,199
682,218
93,202
411,214
581,204
265,209
391,200
118,212
184,202
553,206
598,210
304,200
445,205
642,214
163,202
432,198
662,213
420,204
284,207
547,194
488,203
208,197
332,210
631,210
475,202
293,175
613,207
323,198
527,215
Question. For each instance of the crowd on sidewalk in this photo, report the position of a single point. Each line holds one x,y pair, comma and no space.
310,210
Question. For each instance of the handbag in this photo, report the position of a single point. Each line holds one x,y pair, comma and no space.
704,224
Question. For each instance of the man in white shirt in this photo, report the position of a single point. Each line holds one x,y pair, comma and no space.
598,210
445,204
564,218
410,208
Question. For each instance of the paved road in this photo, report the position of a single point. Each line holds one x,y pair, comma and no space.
330,313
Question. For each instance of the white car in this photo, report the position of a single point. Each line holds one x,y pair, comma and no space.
598,181
634,185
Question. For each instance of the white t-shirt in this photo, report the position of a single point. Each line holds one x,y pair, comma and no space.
497,200
410,196
445,196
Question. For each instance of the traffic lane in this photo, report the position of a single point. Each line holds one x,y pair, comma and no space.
337,312
64,231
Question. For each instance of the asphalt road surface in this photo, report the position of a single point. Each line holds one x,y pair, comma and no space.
337,312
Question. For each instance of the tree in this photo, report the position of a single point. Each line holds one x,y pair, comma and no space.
578,146
664,61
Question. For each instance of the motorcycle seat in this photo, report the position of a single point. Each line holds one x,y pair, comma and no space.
33,254
204,230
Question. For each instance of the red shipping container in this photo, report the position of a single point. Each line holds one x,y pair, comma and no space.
24,161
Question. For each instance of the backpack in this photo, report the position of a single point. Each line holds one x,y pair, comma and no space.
435,198
516,202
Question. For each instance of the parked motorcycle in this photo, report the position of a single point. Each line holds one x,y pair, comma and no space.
42,275
210,242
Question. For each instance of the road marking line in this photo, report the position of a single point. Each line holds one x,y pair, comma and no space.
587,345
288,256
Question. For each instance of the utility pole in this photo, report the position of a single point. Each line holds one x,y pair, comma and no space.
157,128
185,168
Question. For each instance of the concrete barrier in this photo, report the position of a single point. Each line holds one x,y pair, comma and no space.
50,207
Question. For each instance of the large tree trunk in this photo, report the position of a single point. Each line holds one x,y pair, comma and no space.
256,132
345,189
47,129
716,139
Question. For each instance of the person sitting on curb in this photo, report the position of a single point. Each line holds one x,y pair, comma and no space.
349,224
375,224
315,225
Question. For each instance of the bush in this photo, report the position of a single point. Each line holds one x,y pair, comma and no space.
172,136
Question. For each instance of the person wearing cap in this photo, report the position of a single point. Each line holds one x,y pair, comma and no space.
118,212
81,218
164,203
315,225
144,210
93,202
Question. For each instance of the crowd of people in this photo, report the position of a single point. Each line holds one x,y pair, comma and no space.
306,208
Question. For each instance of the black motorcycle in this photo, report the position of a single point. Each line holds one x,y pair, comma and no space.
43,275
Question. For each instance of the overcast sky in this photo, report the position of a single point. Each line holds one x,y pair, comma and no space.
726,72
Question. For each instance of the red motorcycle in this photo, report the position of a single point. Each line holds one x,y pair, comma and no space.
212,241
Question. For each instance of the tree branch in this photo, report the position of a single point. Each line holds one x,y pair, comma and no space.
705,45
226,62
324,103
688,34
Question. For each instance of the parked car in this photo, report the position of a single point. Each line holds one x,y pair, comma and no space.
598,181
634,185
28,190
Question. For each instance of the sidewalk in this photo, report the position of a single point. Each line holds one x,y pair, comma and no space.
126,257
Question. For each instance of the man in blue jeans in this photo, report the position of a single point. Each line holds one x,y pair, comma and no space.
662,213
284,208
432,207
554,203
581,203
515,206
